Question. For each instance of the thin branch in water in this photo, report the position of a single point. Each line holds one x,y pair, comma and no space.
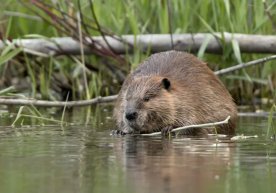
192,126
243,137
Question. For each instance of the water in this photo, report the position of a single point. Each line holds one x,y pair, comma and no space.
87,159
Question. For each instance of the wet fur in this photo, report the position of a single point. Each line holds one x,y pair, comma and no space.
195,96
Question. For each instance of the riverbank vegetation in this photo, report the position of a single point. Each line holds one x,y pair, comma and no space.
65,77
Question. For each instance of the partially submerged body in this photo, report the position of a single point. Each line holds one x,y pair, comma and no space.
173,89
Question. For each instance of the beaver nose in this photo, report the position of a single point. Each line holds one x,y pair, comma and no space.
131,116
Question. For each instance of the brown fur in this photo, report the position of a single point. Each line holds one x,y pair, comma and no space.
192,95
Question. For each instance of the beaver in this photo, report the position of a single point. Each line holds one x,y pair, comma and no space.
173,89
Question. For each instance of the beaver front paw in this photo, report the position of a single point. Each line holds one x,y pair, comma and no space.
117,132
166,130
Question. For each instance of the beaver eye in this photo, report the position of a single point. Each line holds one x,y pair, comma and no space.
146,99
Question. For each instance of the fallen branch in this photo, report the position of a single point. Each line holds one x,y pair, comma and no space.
154,42
191,126
43,103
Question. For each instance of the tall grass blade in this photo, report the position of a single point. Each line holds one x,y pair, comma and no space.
204,46
31,73
63,111
209,28
271,127
227,7
9,27
236,49
7,90
10,55
18,115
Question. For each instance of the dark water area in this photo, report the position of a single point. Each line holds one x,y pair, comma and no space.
85,158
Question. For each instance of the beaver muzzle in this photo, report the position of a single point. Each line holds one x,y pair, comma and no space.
131,116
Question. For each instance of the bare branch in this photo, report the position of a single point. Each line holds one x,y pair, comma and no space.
192,126
154,42
43,103
244,65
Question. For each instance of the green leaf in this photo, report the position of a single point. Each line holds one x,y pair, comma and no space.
8,56
270,122
18,115
227,7
236,49
204,46
210,29
7,90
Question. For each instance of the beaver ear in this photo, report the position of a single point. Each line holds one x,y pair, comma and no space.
166,83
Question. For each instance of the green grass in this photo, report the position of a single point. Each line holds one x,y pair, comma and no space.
271,130
26,114
134,17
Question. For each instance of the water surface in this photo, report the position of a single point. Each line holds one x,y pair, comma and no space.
81,158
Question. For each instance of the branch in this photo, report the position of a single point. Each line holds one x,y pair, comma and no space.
43,103
154,42
192,126
244,65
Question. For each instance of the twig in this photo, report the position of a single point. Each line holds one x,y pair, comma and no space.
243,137
99,28
85,25
191,126
44,103
70,29
244,65
110,50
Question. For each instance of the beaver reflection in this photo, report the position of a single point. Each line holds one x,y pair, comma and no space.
180,165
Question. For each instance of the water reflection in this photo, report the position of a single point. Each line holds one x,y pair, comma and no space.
162,165
87,159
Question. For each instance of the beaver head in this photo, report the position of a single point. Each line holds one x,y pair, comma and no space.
148,104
